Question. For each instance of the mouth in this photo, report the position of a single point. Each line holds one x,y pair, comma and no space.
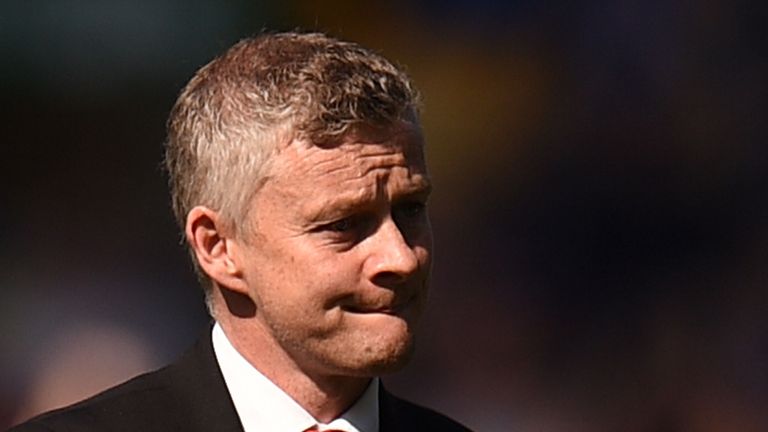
396,308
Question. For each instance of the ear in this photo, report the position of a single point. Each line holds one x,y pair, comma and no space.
214,249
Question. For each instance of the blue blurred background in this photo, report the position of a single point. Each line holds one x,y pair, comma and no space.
601,212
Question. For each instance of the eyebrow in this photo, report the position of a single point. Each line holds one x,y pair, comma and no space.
422,188
344,205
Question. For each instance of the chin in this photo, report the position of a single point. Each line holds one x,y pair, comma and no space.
380,356
390,364
366,346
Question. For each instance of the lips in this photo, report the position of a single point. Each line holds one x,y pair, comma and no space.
394,308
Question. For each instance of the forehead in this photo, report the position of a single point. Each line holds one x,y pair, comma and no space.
354,157
365,166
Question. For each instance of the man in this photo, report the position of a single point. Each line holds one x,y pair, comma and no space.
297,174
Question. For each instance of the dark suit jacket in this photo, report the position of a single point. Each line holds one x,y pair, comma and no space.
190,395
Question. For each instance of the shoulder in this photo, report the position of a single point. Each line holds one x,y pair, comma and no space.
401,415
141,403
188,395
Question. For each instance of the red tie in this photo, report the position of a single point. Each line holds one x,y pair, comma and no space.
316,429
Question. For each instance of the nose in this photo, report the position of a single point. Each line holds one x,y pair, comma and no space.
392,259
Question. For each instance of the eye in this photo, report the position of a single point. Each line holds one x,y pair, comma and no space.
341,225
409,210
344,232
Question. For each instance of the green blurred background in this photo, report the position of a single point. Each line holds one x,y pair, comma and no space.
600,211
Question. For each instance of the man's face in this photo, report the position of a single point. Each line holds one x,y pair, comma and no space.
339,259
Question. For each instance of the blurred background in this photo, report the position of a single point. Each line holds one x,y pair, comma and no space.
600,211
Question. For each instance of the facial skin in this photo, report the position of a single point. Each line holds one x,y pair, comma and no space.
337,263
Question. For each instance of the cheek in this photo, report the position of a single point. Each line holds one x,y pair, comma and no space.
310,287
333,279
303,279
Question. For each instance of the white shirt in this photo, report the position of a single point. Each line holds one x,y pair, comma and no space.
263,406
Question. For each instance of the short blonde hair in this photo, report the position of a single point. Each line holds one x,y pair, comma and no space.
226,121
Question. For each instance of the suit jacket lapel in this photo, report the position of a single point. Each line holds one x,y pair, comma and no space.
203,401
389,420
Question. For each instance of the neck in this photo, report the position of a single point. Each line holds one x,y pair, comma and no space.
324,396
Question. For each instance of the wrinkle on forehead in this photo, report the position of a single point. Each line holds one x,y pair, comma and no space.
363,150
357,164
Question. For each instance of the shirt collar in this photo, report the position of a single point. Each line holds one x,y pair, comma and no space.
262,405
